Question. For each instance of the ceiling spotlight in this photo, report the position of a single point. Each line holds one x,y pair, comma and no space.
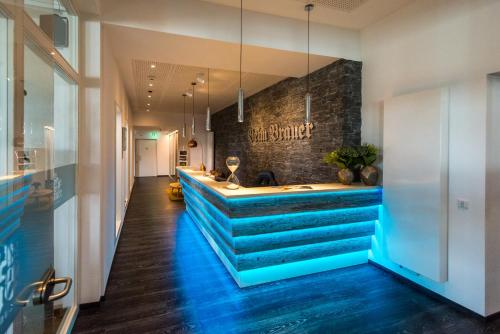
149,104
147,110
149,96
189,94
200,79
150,84
153,66
53,53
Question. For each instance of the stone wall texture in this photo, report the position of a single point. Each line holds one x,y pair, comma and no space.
336,116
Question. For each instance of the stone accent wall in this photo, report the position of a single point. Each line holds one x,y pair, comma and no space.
336,116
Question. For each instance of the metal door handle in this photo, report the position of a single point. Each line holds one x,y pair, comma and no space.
24,296
67,286
40,292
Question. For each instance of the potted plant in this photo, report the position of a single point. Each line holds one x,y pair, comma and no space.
346,159
368,154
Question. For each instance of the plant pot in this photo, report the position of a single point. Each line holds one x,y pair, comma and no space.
345,176
369,175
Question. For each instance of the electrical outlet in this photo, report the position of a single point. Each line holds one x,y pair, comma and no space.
462,204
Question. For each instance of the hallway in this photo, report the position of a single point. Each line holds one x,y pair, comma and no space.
166,279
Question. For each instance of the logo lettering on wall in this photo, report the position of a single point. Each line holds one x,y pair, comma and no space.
276,133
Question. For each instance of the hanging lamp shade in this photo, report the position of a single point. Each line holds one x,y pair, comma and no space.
184,124
241,94
308,8
192,142
208,122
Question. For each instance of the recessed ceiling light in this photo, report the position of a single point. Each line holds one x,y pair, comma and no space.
149,96
153,66
149,104
189,94
53,53
147,110
150,84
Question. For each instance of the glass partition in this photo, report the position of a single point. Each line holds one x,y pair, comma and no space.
38,203
59,24
6,90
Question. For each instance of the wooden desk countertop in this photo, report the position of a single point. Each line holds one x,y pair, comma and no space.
242,192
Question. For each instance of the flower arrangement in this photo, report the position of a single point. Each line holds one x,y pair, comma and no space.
355,158
343,157
368,154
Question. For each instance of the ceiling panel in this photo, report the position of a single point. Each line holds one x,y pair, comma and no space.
342,5
170,81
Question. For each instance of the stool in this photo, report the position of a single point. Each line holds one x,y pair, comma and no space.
175,189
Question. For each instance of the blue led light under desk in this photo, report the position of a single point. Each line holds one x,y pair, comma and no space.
273,246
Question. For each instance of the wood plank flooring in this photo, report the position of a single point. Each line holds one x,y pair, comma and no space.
166,279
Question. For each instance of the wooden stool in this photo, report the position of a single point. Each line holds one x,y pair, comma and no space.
175,190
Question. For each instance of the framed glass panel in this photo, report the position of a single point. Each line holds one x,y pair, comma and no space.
38,203
59,24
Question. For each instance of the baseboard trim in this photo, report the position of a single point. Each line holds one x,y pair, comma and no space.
433,294
86,306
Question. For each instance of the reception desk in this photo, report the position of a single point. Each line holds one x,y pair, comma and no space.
266,234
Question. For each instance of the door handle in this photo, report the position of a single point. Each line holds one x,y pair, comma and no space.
24,297
41,292
67,286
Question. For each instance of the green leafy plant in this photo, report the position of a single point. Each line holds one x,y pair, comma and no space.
352,157
368,154
343,157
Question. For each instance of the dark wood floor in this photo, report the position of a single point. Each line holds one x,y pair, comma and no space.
166,279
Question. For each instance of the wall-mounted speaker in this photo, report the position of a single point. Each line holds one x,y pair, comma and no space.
57,28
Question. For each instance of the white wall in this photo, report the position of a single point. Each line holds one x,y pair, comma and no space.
169,121
112,95
429,44
101,91
493,196
166,150
89,162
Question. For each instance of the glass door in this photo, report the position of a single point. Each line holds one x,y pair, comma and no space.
38,205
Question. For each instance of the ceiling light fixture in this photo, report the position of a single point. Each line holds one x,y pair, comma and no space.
184,124
199,78
241,95
147,110
192,143
149,96
150,84
309,7
153,66
208,124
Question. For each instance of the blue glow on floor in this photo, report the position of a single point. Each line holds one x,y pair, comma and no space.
213,302
203,281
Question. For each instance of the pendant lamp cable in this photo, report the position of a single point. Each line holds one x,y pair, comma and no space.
308,48
241,36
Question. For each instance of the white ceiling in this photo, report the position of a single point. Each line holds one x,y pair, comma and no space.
170,81
350,14
179,59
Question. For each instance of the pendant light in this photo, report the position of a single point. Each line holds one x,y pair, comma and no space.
192,142
208,125
309,7
241,95
184,124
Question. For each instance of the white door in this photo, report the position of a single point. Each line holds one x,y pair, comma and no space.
146,157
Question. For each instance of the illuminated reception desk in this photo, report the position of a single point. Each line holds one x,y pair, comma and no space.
266,234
